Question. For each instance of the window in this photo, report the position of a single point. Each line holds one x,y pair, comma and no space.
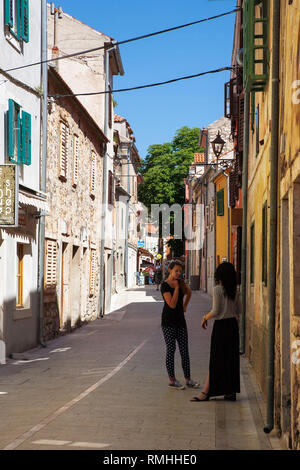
17,18
252,243
50,263
20,278
264,243
255,44
63,150
220,202
93,174
19,134
92,273
75,159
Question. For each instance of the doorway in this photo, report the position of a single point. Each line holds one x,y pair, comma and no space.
75,286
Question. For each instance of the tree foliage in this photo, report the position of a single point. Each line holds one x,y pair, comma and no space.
164,169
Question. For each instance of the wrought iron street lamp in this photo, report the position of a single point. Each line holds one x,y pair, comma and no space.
218,145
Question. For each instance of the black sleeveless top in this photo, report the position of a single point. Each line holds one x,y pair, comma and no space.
172,316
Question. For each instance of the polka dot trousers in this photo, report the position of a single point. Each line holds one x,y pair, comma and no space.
171,335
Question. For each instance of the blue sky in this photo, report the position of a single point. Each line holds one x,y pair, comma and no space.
156,113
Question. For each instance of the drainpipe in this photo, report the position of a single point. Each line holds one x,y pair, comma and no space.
244,230
104,192
273,215
43,171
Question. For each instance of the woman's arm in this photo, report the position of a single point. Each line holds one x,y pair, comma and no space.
172,299
216,309
187,292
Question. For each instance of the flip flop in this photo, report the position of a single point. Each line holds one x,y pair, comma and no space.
196,399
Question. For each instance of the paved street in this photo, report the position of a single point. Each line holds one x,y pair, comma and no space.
105,387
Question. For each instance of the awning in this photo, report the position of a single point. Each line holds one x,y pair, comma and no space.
34,201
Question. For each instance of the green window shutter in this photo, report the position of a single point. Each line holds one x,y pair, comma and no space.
220,202
9,19
256,40
26,138
14,132
24,20
10,128
19,125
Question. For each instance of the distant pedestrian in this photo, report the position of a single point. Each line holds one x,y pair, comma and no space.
158,278
173,324
224,365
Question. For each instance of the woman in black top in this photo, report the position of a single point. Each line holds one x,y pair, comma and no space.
173,323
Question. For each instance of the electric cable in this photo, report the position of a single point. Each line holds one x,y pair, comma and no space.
57,96
118,43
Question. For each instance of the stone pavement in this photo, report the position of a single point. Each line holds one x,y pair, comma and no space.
104,386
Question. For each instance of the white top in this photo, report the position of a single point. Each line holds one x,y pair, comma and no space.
224,307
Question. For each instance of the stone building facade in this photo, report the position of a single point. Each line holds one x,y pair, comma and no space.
269,133
130,162
73,229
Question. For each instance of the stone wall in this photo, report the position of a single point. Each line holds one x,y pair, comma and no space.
74,221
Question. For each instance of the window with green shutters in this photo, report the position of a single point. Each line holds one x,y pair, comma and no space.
17,18
220,202
264,243
19,134
256,44
252,248
26,138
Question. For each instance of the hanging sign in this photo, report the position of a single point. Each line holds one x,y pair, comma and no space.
8,195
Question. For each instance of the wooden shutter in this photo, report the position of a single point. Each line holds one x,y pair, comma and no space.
10,129
20,275
14,132
241,123
50,263
75,159
9,17
26,138
24,20
92,272
93,173
110,187
220,202
63,150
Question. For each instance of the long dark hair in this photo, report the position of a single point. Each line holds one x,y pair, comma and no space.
226,273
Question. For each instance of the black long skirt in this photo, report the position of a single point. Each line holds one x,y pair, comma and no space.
224,364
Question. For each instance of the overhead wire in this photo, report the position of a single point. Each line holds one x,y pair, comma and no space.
57,96
118,43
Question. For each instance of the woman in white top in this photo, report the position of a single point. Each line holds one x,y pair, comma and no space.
224,365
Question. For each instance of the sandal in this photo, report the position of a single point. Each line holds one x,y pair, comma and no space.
197,399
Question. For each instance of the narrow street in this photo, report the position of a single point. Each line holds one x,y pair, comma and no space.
105,387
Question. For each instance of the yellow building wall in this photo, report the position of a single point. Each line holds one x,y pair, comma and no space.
288,286
258,194
222,222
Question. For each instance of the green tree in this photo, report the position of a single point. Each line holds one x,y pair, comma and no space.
164,169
